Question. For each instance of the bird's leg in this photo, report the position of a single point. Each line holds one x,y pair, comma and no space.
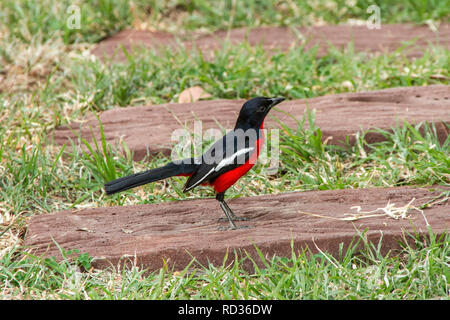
233,216
229,214
232,224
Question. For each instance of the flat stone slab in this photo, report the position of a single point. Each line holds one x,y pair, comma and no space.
180,230
149,129
386,39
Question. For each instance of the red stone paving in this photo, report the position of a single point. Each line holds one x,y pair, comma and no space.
150,128
387,39
179,230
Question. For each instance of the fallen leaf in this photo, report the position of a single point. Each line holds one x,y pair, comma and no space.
347,84
193,94
438,77
127,231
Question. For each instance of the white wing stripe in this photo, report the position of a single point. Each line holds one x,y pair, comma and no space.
230,159
222,164
199,181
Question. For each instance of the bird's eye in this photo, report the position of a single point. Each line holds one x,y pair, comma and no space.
261,109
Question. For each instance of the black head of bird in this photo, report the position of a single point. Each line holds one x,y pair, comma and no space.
254,111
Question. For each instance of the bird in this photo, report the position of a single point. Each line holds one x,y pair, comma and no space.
221,165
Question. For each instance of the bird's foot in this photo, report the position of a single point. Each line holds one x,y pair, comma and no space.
234,218
222,228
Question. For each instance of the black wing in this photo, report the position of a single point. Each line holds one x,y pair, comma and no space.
228,153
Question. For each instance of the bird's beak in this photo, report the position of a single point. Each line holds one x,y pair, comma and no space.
275,101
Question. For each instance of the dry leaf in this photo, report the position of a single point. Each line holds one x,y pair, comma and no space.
347,84
193,94
438,76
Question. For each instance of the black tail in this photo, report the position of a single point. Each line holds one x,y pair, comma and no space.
138,179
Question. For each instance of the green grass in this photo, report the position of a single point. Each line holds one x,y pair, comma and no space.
225,14
45,19
47,79
410,154
242,71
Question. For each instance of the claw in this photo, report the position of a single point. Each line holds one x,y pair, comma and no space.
221,228
234,218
